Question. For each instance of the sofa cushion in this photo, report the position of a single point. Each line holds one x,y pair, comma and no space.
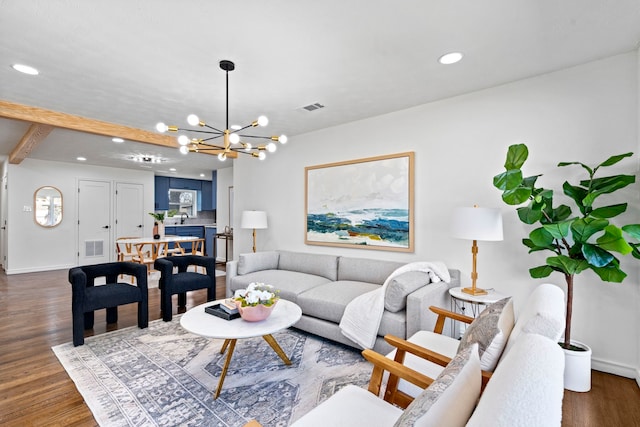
366,270
450,399
329,300
319,265
491,330
248,263
289,283
527,387
395,298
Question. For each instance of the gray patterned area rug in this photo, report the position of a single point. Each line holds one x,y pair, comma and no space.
165,376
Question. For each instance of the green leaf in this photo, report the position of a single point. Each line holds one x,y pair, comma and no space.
583,228
530,181
613,241
610,273
533,248
596,256
576,193
517,196
561,213
529,215
607,187
540,272
633,230
516,156
609,211
508,180
588,169
541,238
614,159
568,265
609,184
558,230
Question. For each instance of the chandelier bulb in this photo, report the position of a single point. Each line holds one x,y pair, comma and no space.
184,149
193,120
247,146
183,140
263,121
271,147
234,138
222,157
161,127
283,139
261,155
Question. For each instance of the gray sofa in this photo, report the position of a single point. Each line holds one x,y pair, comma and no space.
323,285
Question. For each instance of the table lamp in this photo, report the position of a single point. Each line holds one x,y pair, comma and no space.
476,224
255,220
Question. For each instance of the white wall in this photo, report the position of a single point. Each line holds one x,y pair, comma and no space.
224,181
34,248
582,114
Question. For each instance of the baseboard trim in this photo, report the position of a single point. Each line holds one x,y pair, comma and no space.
37,269
616,369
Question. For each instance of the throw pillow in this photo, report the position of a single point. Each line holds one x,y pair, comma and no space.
450,399
395,298
491,331
248,263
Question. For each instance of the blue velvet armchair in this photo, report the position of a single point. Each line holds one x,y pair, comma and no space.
88,297
183,281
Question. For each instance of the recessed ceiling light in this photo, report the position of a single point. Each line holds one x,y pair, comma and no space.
450,58
117,140
201,175
236,127
81,159
26,69
172,169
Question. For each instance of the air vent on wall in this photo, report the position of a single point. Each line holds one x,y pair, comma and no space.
313,107
94,248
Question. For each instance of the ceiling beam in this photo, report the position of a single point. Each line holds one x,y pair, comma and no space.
42,116
35,135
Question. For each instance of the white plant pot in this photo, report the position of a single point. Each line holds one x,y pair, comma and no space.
161,229
577,368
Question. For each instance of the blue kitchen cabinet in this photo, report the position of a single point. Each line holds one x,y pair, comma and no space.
206,197
185,184
192,231
209,240
161,189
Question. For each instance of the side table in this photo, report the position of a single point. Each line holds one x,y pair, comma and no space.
461,301
228,238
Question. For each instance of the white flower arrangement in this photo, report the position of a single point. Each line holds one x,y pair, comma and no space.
256,293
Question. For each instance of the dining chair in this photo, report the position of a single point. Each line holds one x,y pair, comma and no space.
148,256
125,251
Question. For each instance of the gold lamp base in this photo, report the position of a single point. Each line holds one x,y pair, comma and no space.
474,291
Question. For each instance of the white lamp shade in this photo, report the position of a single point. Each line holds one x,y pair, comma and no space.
477,224
253,219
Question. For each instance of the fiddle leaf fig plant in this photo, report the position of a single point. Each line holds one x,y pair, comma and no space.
584,240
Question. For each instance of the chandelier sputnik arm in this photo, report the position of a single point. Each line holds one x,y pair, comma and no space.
231,139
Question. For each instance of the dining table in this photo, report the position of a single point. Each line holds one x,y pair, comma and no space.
159,247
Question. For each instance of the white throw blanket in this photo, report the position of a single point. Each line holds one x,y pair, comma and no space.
362,316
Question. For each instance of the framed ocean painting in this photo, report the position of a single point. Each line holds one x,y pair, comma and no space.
365,203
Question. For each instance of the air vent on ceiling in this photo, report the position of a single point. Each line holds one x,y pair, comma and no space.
313,107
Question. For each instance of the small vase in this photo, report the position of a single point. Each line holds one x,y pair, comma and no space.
161,229
255,313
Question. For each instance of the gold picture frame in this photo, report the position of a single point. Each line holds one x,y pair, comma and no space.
365,203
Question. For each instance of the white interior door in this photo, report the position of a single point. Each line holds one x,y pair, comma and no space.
129,210
94,222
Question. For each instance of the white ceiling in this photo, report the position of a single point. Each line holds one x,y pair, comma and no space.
136,63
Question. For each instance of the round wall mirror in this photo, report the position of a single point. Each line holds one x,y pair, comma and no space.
48,206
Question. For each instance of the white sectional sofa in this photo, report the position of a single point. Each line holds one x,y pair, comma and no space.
322,285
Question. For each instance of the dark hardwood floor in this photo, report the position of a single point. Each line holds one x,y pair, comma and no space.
35,314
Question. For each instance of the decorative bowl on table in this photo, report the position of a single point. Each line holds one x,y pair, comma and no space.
255,313
256,302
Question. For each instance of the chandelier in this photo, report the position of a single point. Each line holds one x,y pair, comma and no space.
230,141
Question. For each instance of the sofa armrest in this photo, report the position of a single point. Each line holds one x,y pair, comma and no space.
419,317
231,271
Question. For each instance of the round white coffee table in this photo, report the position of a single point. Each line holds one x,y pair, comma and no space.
197,321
